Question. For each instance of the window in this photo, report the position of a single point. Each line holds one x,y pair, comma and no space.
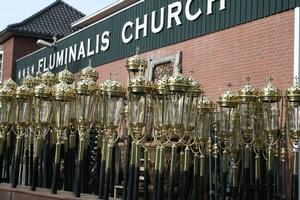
1,65
166,65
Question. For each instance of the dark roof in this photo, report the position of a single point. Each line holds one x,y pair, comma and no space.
55,19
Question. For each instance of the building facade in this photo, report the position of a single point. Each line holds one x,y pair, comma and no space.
20,39
220,40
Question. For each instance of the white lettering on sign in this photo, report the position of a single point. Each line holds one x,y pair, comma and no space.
189,16
174,17
167,17
127,39
159,28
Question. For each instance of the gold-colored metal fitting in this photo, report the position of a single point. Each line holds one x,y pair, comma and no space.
206,105
86,87
89,72
135,62
270,93
293,93
178,83
228,98
43,91
48,78
195,87
6,93
114,88
248,92
65,76
140,84
161,85
30,81
10,83
63,91
24,92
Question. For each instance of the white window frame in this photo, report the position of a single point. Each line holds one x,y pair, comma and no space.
174,58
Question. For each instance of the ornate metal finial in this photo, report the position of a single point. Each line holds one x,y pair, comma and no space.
293,93
229,85
137,50
270,79
248,79
270,93
192,72
116,76
296,80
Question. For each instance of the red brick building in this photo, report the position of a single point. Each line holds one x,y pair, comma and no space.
18,40
221,41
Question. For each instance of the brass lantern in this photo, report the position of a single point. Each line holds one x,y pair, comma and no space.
205,109
114,98
6,103
248,102
134,64
227,113
160,107
23,115
64,96
42,119
139,96
178,105
194,97
86,97
293,129
270,97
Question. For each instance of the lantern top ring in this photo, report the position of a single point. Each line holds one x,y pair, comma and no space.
63,91
270,93
43,91
24,92
248,93
228,99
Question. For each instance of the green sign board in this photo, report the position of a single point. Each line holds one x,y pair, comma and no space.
147,24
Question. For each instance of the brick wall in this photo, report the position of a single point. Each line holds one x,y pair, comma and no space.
15,48
257,49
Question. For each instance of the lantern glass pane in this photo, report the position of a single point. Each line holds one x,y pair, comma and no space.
62,114
85,108
114,106
23,110
247,116
176,109
294,117
190,116
160,111
203,125
138,106
226,118
5,108
271,116
100,109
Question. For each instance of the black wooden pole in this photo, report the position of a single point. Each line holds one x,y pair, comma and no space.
16,166
56,172
127,167
181,179
156,172
78,173
108,171
36,161
131,172
146,175
102,169
160,186
1,157
197,187
201,189
172,173
137,171
257,192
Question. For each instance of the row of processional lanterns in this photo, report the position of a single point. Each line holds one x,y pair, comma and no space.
173,114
